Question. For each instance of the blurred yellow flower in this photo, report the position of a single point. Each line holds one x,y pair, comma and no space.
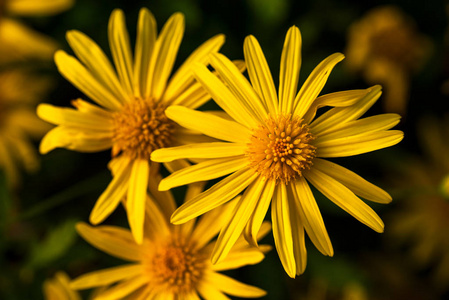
272,149
57,288
173,262
319,289
130,118
386,47
18,41
421,220
20,90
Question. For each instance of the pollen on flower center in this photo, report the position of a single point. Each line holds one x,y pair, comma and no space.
176,266
281,149
140,128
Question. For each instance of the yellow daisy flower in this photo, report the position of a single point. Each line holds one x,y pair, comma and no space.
173,262
20,90
18,41
57,288
130,118
272,148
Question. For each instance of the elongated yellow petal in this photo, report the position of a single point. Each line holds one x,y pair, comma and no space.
38,8
282,229
115,191
209,124
121,49
203,150
238,259
80,77
242,212
206,170
97,62
298,235
289,72
73,118
351,180
123,289
224,98
239,86
358,144
314,84
209,291
233,287
137,193
256,220
361,126
336,117
106,277
260,75
183,77
164,55
156,222
75,139
113,240
311,216
165,199
217,195
344,198
337,99
145,41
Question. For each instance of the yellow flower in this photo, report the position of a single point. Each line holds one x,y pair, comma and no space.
272,147
420,221
57,288
18,41
173,262
386,47
20,90
130,118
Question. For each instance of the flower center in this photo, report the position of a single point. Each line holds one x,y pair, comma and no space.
176,267
140,128
281,150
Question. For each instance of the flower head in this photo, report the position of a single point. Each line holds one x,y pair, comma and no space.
272,147
20,90
130,116
173,262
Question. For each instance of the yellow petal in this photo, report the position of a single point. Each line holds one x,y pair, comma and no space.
239,86
224,97
156,222
75,139
206,170
145,41
311,216
345,199
209,124
256,220
242,212
357,144
238,259
365,125
336,117
115,192
80,77
351,180
123,289
165,199
183,78
73,118
209,291
299,244
164,55
337,99
260,75
97,62
38,8
202,150
106,276
289,73
112,240
282,229
121,50
314,84
233,287
137,193
217,195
